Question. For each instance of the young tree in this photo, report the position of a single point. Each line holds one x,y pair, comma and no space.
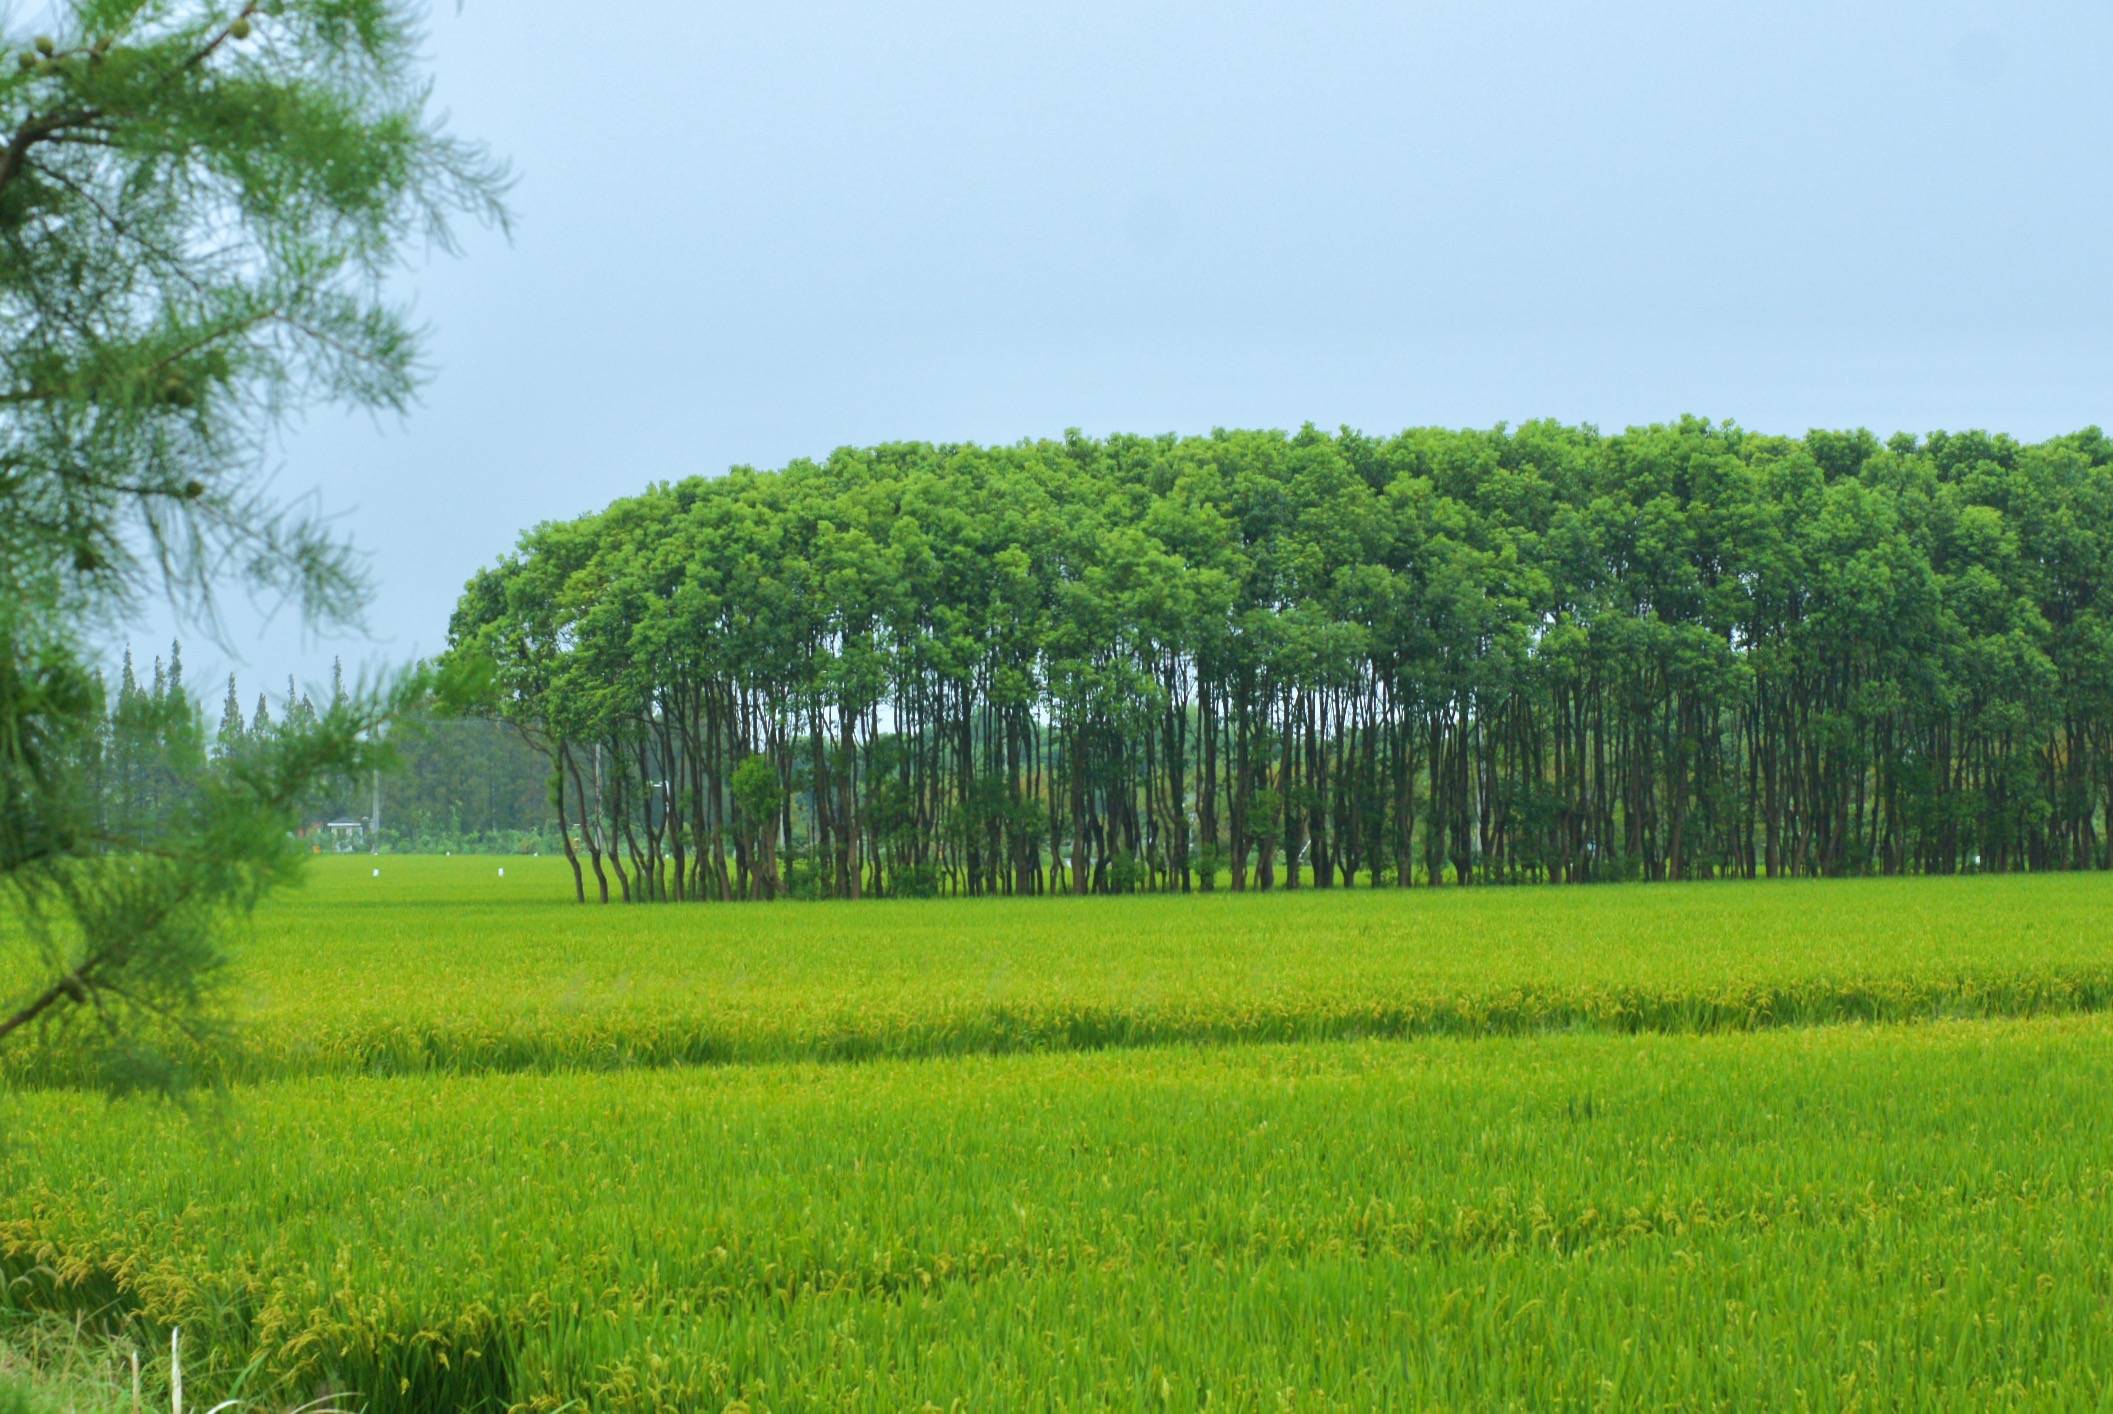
231,735
200,201
759,798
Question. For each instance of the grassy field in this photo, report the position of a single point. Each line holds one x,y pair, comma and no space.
456,1166
444,965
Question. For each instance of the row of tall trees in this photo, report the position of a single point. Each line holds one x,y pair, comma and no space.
148,735
451,783
1261,660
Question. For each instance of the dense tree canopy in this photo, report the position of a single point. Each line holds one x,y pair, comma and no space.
1268,660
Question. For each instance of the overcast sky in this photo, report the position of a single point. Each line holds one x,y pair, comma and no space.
752,233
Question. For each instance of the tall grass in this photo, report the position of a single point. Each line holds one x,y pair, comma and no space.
442,966
460,1163
1877,1215
64,1362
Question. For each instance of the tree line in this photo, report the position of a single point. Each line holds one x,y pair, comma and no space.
1256,660
451,783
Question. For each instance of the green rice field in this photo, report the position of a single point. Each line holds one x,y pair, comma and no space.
1826,1145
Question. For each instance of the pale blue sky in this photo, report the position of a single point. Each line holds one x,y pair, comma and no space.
753,233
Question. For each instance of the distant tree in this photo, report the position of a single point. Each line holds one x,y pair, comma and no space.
300,712
230,738
759,797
